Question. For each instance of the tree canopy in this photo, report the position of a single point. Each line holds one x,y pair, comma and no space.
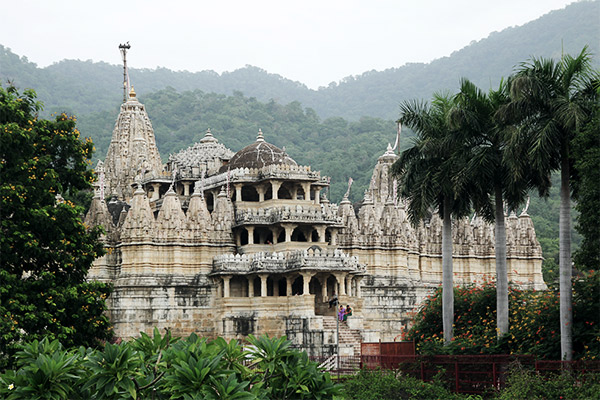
46,249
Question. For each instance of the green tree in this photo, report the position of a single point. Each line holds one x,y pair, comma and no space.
553,101
46,249
586,153
428,179
474,117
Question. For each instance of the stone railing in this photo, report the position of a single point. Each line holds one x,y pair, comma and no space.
286,214
312,260
286,171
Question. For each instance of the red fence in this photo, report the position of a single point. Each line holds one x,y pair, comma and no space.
464,373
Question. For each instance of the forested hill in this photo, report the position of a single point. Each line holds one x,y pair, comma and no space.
81,87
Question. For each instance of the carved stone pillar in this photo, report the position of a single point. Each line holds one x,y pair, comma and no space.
288,285
219,289
317,196
250,230
289,229
349,285
334,236
275,233
251,286
306,276
186,188
226,279
238,192
306,187
323,282
263,285
275,188
340,278
294,193
358,291
261,193
321,232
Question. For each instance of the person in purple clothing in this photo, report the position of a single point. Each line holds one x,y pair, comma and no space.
341,313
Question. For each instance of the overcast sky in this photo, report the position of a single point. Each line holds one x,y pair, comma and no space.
314,42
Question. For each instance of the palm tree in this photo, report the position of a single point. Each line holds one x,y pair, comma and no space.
427,173
552,101
473,116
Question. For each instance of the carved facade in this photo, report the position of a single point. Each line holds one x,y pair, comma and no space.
230,244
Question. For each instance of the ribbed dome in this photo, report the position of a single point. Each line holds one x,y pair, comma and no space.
257,155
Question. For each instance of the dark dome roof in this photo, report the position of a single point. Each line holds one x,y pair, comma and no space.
258,154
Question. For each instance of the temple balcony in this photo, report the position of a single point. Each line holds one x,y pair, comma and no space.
308,260
286,214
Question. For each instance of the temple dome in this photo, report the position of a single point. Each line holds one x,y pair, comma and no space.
208,152
258,155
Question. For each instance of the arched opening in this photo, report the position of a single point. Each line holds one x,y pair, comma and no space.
249,193
328,236
282,284
300,195
270,287
297,286
331,286
263,235
269,193
256,285
314,287
243,237
298,235
238,286
285,191
210,201
314,236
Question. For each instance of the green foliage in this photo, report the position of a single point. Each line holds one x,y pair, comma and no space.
534,322
46,371
161,367
46,249
522,383
389,385
586,153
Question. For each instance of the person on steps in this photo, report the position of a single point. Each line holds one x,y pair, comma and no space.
333,301
347,313
341,313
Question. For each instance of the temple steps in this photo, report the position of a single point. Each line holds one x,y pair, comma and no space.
348,336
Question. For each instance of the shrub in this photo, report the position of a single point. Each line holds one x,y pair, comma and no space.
385,384
534,322
162,367
523,383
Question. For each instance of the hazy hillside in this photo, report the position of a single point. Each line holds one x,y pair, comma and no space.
82,87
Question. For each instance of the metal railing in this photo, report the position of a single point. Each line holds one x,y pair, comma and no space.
461,373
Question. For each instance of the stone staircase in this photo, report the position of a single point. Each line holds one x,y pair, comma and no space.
349,338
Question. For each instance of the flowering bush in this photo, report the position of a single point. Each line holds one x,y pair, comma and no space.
534,322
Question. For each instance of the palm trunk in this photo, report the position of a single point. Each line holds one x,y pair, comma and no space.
447,277
501,269
565,267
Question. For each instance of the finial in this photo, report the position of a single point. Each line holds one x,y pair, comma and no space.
208,137
260,137
132,92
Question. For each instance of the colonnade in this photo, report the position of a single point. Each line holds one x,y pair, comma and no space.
295,284
273,234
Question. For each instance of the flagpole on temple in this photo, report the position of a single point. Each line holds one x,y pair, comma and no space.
124,48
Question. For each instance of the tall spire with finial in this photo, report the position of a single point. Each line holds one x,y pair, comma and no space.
124,48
